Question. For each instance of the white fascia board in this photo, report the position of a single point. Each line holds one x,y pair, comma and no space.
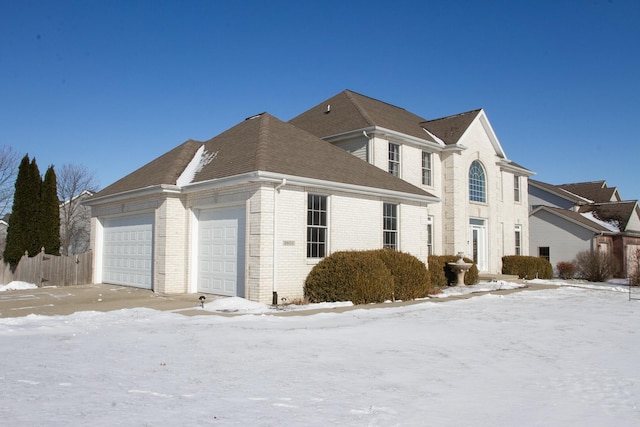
507,166
138,192
393,135
359,189
484,121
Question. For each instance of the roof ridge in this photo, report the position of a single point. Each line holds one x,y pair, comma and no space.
361,110
263,141
477,110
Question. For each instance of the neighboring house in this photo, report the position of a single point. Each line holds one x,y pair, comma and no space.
570,218
75,225
4,225
251,211
484,204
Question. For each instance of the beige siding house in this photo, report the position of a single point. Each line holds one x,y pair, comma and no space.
251,211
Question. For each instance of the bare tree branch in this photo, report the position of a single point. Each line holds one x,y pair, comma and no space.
9,161
75,183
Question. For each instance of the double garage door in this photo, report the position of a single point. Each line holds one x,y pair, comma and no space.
128,251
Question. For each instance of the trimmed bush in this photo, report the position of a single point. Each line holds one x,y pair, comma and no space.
442,275
357,276
411,277
527,267
566,270
594,266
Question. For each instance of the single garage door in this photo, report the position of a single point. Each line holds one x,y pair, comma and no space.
128,251
221,251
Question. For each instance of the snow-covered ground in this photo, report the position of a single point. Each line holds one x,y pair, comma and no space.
559,357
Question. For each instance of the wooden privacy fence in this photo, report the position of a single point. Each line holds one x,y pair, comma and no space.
51,270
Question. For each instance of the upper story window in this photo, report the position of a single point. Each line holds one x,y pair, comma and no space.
426,168
477,183
390,226
316,226
516,188
394,159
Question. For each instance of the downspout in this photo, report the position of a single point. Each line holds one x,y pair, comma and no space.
370,148
274,301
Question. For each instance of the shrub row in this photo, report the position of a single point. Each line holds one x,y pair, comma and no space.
367,277
527,267
442,275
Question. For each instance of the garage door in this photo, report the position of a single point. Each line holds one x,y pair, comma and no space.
221,251
128,251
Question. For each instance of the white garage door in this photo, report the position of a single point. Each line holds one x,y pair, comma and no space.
221,251
128,251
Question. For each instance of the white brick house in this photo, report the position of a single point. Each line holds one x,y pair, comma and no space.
486,216
251,211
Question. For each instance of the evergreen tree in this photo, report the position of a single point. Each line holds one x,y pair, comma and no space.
49,221
23,231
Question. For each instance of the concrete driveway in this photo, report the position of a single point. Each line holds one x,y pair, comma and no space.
69,299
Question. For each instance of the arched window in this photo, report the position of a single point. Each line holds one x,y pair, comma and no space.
477,183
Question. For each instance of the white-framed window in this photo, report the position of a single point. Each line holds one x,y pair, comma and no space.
426,168
394,159
390,226
516,188
430,236
477,183
316,226
518,237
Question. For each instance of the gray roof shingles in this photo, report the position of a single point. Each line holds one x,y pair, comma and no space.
264,143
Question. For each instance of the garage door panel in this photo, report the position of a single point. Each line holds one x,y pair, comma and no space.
221,251
128,249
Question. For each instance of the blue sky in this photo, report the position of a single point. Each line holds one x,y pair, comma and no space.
111,85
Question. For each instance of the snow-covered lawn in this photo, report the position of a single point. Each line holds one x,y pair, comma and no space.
560,357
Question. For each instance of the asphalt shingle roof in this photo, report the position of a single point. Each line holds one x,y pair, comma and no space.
264,143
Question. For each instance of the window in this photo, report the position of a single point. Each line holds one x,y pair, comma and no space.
390,226
316,226
426,168
516,188
430,236
543,252
518,240
477,183
394,159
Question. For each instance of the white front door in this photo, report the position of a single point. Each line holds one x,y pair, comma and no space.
478,243
221,251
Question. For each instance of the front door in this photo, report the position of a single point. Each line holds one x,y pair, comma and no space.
478,243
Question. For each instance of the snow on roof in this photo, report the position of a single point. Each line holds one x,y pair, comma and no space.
611,226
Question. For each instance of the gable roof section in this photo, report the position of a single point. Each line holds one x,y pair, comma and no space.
265,143
450,129
164,170
613,212
350,111
262,144
574,217
558,191
597,191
